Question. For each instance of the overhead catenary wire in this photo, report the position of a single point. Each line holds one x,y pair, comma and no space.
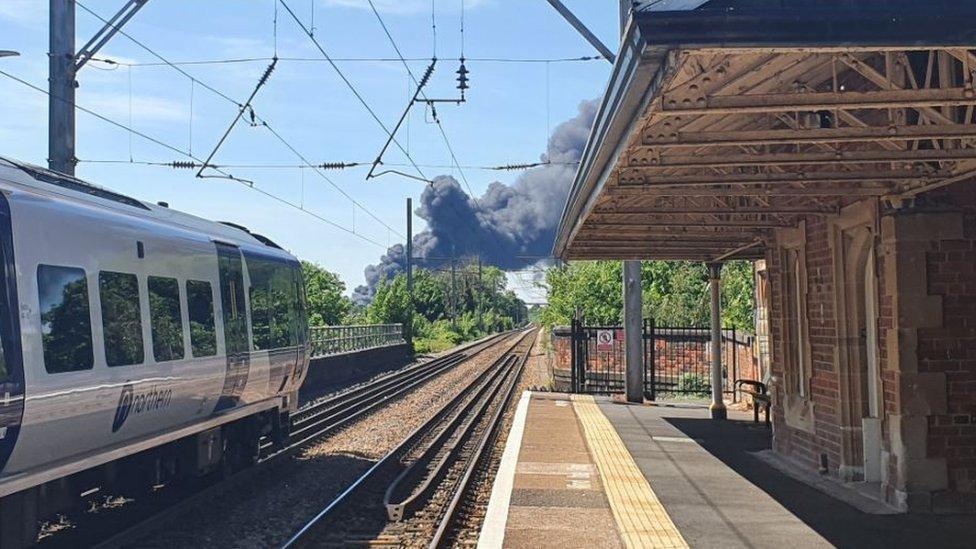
240,112
284,59
194,80
420,91
274,26
433,26
350,85
325,165
187,154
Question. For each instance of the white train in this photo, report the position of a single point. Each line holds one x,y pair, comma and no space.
138,344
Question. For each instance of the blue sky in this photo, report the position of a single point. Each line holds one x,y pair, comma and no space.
505,120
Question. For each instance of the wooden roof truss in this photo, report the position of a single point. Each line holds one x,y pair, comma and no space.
739,142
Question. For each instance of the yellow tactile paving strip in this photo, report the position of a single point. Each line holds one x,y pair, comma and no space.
641,518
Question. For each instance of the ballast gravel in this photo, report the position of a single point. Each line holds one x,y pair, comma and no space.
269,510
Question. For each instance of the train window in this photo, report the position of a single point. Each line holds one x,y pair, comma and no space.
166,318
121,318
262,296
200,306
274,302
65,318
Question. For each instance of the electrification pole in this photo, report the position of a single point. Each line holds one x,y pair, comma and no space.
408,329
481,297
453,293
63,67
61,99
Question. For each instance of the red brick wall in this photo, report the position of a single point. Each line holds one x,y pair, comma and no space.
949,349
798,444
889,378
951,273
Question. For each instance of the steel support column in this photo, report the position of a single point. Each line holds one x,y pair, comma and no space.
633,331
61,105
715,283
583,30
625,7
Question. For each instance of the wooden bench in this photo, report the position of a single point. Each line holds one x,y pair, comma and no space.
760,396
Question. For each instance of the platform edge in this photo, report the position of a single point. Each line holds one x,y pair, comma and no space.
492,534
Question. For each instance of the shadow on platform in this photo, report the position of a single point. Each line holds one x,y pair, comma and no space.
734,442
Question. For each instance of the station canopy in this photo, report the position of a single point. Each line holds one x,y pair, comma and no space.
726,120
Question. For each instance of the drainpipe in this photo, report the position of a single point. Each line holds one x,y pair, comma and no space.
715,282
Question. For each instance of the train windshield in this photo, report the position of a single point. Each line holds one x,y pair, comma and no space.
275,296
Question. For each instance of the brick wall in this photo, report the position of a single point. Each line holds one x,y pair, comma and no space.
800,444
951,350
946,346
889,376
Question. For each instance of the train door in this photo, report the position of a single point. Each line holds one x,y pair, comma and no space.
11,358
236,341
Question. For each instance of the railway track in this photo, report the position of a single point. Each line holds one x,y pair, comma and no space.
313,422
414,495
320,418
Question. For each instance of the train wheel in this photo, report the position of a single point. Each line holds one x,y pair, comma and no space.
242,447
18,519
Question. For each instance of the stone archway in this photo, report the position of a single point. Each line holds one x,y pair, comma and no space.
858,374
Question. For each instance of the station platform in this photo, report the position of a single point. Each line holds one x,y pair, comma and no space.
583,471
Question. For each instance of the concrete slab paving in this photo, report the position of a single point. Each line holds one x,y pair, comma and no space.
719,494
557,498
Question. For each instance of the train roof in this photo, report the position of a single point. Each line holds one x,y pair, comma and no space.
38,179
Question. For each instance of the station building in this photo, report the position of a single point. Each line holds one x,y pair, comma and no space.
832,142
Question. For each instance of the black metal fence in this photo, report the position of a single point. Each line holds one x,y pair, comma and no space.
676,360
334,340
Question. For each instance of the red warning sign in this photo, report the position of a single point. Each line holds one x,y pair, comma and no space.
604,340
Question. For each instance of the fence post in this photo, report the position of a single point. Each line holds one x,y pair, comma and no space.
573,351
650,356
735,364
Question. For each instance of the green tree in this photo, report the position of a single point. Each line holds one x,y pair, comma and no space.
674,293
326,303
448,308
593,287
391,304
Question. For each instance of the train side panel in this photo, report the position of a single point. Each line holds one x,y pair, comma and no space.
71,413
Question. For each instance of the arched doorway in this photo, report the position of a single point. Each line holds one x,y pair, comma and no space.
859,366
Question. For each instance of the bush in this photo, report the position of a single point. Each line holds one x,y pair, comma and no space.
435,337
694,383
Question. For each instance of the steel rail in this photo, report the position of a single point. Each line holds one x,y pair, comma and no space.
434,462
333,415
391,458
321,418
345,402
451,514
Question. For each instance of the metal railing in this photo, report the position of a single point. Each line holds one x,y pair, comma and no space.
677,359
336,340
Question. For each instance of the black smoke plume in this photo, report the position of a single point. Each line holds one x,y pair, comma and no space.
509,227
